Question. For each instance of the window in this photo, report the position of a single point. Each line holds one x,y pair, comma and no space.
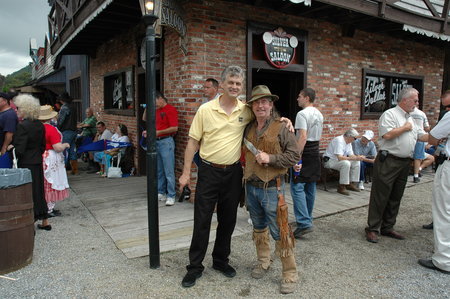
119,92
75,93
380,91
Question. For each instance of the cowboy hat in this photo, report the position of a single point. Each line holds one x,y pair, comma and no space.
47,113
261,91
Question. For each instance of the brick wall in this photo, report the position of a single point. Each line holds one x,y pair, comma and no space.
216,37
116,54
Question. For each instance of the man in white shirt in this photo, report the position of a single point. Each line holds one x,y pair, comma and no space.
441,197
398,135
339,156
102,134
308,126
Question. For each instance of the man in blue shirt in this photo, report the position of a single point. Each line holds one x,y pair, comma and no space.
365,148
8,124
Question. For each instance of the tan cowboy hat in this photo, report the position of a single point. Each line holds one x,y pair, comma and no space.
47,113
261,91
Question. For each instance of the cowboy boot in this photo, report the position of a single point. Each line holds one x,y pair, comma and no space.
352,187
342,190
289,269
74,165
262,243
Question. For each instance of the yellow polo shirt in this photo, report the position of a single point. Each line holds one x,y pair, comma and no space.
220,135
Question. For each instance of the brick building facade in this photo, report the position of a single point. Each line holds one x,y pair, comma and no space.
217,35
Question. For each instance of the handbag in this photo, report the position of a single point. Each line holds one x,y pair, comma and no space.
14,162
115,171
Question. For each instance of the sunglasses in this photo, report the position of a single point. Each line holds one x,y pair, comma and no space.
446,107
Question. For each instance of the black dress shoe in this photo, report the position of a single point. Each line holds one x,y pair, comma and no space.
45,227
428,226
228,271
427,263
393,234
190,278
371,236
299,232
54,213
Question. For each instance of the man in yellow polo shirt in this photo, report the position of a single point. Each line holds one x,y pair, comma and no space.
217,129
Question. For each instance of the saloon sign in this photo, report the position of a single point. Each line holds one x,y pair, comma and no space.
279,47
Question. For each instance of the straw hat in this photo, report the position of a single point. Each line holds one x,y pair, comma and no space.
261,91
47,113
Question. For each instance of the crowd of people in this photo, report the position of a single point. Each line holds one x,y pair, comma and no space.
224,126
45,141
245,149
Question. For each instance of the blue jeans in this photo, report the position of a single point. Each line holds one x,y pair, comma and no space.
303,196
262,205
362,169
104,159
165,149
70,137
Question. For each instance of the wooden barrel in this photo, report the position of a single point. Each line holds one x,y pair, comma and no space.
16,228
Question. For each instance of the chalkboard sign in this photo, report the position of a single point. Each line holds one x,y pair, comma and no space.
119,90
375,94
380,91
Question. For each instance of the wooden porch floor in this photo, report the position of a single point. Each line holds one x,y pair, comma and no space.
120,207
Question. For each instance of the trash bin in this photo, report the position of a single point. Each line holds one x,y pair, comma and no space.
16,219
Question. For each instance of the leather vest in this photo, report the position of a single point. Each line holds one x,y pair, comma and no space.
269,143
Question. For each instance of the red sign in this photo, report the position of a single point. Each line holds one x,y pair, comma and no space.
279,47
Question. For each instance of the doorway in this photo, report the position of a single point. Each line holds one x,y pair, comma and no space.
286,85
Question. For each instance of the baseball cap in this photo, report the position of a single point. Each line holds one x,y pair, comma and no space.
368,134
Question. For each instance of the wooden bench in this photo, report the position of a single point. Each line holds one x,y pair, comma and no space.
326,173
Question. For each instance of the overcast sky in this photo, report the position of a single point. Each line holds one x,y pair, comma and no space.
20,20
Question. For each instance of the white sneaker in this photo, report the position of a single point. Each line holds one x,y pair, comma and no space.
161,197
170,201
361,185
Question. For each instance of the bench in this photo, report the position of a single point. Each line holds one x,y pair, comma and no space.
326,173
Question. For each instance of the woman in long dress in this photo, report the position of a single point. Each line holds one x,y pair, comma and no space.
56,186
29,142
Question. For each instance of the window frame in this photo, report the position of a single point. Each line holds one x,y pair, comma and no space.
108,83
418,83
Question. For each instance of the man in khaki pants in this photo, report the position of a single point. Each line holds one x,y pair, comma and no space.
339,156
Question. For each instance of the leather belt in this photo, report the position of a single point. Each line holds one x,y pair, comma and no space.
163,137
221,166
261,184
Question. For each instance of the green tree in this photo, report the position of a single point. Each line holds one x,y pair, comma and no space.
16,79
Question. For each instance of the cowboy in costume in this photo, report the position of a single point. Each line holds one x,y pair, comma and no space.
270,149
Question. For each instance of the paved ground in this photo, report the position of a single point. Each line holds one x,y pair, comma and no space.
77,259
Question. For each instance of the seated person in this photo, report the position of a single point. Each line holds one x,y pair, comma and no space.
104,158
339,156
88,130
422,160
366,149
87,127
102,134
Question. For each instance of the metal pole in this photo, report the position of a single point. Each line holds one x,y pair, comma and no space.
152,179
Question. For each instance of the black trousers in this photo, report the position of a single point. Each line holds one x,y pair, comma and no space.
214,186
388,184
37,186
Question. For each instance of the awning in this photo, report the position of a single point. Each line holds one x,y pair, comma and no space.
426,32
29,89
